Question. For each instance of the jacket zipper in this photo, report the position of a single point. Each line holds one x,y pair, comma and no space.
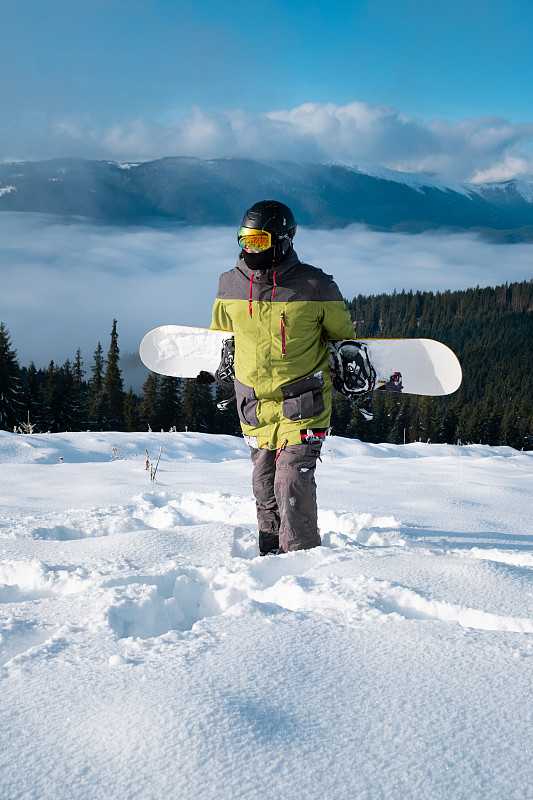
250,295
284,444
282,333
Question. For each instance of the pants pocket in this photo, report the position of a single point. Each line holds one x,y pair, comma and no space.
303,399
246,403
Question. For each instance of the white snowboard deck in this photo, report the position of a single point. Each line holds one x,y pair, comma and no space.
428,367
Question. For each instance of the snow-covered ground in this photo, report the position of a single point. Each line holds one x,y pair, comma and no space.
146,651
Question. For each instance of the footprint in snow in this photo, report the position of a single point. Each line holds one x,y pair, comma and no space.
244,543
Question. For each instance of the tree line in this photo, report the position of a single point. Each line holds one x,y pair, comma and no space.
490,330
60,399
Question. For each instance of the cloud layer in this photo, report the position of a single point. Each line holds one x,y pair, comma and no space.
62,285
477,150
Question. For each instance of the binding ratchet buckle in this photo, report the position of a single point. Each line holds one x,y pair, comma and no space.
225,374
352,372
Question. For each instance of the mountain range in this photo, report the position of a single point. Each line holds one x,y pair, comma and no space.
196,191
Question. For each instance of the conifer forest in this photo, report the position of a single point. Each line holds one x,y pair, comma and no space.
490,330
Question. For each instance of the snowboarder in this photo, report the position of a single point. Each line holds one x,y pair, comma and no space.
282,313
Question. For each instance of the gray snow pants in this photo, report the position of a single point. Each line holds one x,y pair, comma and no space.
285,497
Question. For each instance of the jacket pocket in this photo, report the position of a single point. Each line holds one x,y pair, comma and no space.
246,403
303,399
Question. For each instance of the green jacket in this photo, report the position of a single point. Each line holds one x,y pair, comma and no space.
282,319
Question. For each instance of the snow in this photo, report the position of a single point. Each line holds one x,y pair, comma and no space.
147,651
415,180
420,183
523,189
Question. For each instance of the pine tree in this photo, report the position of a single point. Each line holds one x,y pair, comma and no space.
77,401
511,425
131,412
149,408
112,387
198,407
525,426
379,425
54,405
491,422
450,421
33,401
70,406
400,417
94,395
10,385
79,388
169,398
429,420
469,426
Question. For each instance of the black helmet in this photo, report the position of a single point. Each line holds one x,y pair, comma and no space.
277,219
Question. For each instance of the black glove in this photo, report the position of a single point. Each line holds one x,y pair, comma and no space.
203,378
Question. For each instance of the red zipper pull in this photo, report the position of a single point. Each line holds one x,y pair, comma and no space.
283,445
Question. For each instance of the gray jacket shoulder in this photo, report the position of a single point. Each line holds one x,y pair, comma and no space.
228,282
323,285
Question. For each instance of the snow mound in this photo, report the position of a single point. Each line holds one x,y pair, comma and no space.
82,448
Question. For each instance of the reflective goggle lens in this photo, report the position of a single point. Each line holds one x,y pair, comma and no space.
254,239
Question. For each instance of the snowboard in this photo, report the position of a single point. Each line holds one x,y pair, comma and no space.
411,366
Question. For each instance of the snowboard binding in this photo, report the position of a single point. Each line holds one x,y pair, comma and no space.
352,372
225,374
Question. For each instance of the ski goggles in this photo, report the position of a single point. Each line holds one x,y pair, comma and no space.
254,239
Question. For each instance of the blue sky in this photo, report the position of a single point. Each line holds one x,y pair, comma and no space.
427,86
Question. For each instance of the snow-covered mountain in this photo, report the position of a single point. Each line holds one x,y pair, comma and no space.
196,191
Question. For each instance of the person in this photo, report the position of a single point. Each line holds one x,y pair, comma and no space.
282,313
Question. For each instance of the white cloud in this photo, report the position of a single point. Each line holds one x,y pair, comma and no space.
62,285
486,148
508,167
